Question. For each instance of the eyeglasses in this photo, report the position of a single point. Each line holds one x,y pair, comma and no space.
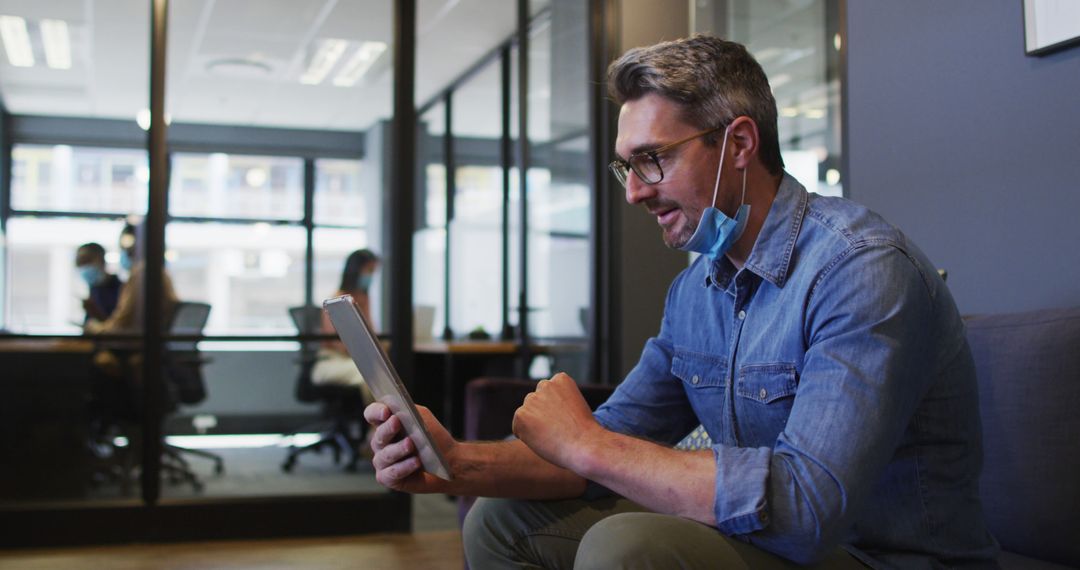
645,164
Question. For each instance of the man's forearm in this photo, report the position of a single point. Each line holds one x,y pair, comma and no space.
509,469
660,478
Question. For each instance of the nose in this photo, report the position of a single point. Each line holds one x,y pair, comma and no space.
636,190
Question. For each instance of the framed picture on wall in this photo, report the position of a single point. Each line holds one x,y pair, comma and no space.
1050,25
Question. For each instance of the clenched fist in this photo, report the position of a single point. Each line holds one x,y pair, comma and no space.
556,423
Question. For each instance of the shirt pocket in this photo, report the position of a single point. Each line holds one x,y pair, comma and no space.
765,394
704,378
699,371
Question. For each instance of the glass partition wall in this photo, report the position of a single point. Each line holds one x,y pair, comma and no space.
59,438
798,44
278,167
559,194
478,141
260,235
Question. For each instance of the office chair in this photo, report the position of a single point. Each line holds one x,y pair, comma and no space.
185,385
342,428
117,404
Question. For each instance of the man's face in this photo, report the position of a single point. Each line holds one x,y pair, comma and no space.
679,199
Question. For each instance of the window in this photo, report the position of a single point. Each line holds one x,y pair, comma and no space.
62,178
44,291
339,200
221,185
248,273
50,183
559,198
429,242
344,194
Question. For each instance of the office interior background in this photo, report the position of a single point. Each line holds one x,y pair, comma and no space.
281,161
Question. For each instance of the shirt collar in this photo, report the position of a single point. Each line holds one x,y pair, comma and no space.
770,257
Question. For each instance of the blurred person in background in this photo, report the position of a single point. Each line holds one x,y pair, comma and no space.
333,364
104,286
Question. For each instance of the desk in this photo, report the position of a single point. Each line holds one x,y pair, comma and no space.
43,418
456,362
22,345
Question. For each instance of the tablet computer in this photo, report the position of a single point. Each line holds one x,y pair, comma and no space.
370,358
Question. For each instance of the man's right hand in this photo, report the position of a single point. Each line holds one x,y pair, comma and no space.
397,465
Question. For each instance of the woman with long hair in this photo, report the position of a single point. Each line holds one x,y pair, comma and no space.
334,366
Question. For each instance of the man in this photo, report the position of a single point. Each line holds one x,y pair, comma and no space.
104,286
811,339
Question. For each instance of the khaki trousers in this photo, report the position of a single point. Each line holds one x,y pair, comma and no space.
606,534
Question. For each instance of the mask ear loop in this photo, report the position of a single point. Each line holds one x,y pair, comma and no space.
720,168
743,200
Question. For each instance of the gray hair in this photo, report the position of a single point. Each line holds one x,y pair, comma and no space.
713,81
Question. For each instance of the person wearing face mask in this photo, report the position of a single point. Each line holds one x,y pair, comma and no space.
127,316
104,287
814,342
333,364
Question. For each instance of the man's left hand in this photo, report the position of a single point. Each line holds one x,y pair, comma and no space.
555,422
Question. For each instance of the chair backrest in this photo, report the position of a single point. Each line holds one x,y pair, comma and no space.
188,318
183,365
308,320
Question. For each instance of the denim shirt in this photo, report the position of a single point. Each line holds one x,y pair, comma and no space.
834,377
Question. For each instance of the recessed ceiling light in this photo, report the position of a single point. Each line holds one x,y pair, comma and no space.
57,42
16,41
789,112
238,67
360,62
324,60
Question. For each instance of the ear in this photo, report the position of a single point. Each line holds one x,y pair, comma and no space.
744,140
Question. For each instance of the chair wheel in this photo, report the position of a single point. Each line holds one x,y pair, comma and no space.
219,469
288,465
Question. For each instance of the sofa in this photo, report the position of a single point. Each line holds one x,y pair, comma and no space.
1028,368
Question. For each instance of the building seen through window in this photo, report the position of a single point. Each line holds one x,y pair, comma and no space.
237,244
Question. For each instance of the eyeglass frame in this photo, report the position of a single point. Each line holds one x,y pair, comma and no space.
622,168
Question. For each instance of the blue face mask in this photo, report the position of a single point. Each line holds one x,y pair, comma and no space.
363,282
716,232
125,260
91,274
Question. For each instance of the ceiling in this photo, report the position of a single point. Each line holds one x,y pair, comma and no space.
239,62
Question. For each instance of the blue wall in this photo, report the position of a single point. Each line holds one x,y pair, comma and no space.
969,146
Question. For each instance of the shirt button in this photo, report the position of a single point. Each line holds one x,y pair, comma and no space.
742,315
695,379
763,393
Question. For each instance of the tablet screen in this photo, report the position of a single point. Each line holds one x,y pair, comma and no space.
379,375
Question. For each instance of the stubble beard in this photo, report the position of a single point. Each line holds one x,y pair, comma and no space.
681,236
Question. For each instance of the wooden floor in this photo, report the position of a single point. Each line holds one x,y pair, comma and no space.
429,550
